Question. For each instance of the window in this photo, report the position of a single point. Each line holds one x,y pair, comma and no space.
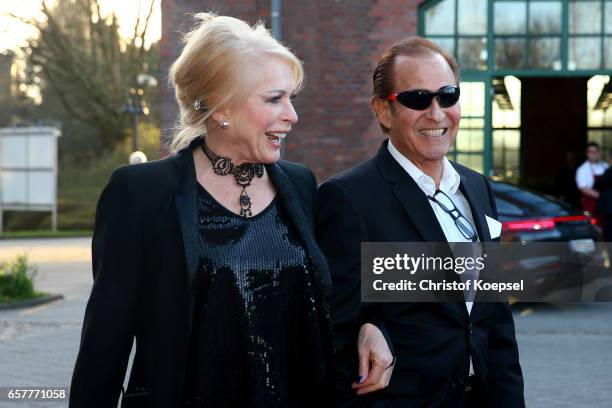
459,27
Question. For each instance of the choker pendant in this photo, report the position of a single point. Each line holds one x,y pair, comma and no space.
243,175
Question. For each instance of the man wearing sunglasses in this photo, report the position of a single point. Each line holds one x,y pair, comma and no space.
445,354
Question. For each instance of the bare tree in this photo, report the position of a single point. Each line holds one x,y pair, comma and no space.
81,63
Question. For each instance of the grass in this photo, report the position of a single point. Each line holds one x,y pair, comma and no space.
46,234
16,280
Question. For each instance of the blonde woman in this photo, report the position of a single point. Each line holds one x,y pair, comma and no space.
208,258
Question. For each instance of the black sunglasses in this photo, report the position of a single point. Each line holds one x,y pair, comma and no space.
419,99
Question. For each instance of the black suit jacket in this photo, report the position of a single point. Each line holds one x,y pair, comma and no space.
377,201
145,256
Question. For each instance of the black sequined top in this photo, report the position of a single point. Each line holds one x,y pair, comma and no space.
258,336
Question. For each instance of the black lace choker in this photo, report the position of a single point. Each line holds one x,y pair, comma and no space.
243,174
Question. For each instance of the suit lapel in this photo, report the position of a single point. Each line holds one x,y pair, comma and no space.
477,205
411,197
297,216
418,209
185,198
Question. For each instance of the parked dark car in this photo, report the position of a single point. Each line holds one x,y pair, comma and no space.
530,216
575,255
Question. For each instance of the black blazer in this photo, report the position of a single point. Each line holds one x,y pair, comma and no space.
145,256
377,201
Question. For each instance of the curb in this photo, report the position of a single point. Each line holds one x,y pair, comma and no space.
20,304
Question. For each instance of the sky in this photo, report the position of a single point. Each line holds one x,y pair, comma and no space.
14,34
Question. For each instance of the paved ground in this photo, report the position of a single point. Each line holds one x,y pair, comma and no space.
566,350
566,354
38,346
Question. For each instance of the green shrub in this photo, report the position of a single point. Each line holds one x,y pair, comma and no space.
16,280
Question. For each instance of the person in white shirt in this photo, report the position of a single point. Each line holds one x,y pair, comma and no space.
586,176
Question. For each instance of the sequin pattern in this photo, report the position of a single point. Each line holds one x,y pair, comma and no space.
258,328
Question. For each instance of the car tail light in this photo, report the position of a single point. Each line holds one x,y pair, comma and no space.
543,224
529,225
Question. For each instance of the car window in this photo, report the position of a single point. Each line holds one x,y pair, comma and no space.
503,188
518,202
508,209
537,202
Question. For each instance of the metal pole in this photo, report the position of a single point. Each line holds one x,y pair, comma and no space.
1,175
55,171
276,19
135,131
135,95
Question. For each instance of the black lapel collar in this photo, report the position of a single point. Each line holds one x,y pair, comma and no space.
186,206
411,197
477,203
297,216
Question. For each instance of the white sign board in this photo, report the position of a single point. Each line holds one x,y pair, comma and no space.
28,170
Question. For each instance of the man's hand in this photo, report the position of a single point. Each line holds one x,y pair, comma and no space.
375,360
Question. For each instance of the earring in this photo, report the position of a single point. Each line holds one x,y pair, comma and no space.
197,105
224,124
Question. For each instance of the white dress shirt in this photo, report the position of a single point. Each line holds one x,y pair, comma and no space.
585,174
449,184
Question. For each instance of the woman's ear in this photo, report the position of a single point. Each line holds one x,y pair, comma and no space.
222,111
382,110
219,116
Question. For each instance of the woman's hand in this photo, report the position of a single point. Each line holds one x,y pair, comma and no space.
375,360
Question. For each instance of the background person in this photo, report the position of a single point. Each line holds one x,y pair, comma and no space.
461,354
208,258
587,175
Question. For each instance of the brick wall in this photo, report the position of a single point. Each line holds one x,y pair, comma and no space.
339,42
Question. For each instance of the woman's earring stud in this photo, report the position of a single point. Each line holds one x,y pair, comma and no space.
197,105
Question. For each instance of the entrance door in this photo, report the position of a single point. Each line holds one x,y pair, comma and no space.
554,123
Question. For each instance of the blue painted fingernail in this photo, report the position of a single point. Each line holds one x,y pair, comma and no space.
358,379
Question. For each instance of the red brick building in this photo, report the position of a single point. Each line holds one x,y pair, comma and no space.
535,76
339,42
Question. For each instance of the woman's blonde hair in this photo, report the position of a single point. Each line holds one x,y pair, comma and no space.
216,67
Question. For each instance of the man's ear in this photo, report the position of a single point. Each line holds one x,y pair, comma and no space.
382,110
